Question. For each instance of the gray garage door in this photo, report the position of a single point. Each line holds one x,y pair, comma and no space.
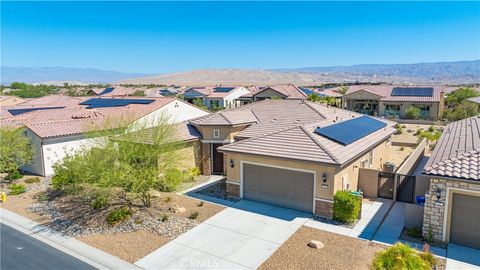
287,188
465,219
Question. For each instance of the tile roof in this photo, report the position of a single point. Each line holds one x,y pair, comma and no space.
302,143
457,153
290,91
183,132
77,119
210,92
385,91
475,99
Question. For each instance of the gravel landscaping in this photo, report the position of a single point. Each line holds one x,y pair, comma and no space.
339,252
218,191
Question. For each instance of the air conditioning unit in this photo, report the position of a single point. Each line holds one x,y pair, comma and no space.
389,167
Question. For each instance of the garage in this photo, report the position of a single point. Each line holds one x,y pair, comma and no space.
464,220
278,186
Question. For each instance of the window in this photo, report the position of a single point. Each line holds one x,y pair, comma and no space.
216,133
424,111
370,159
392,110
214,103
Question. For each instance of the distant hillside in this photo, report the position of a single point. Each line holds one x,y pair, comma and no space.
445,72
60,74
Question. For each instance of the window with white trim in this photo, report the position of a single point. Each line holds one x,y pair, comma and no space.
216,133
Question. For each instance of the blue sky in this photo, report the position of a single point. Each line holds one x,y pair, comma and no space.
160,37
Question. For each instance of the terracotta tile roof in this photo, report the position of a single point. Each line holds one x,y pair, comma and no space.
302,143
52,100
290,91
385,91
183,132
210,92
457,151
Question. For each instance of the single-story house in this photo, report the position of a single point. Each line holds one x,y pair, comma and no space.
115,91
452,203
292,153
279,91
215,96
56,131
393,101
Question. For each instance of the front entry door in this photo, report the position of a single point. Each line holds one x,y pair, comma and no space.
217,159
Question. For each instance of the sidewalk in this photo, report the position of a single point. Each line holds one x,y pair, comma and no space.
77,249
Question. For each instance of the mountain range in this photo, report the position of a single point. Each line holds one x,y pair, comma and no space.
459,72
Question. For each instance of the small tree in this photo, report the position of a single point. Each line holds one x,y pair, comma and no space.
343,89
15,149
458,96
402,256
314,97
412,112
463,110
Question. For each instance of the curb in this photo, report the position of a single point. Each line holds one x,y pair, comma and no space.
75,248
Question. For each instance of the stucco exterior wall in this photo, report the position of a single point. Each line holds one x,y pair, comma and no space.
36,165
435,108
229,100
437,211
368,182
268,93
227,134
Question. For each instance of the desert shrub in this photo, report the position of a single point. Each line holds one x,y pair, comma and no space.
402,148
171,180
32,180
346,206
412,112
200,204
168,199
42,197
194,215
99,202
401,256
399,129
16,189
15,150
191,174
165,218
118,214
414,232
14,175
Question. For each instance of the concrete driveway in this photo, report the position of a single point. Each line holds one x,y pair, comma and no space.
242,236
462,258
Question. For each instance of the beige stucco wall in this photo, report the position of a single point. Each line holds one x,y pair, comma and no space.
226,133
334,172
435,108
437,211
368,182
190,156
361,95
268,93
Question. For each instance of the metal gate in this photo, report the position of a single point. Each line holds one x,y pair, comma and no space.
386,184
406,188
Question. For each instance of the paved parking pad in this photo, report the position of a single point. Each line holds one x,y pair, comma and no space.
242,236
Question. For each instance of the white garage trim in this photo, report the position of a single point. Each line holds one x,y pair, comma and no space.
446,213
280,167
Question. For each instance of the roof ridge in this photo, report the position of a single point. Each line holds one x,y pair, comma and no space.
331,155
225,117
317,111
264,135
254,114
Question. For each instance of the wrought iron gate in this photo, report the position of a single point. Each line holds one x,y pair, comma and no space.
406,188
386,184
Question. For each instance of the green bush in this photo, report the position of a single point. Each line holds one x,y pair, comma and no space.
194,215
346,206
118,215
412,112
42,197
171,180
191,174
99,202
165,218
414,232
16,189
32,180
13,175
402,256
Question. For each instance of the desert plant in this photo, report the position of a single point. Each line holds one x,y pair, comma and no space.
194,215
42,197
402,257
14,175
412,112
171,180
32,180
429,235
346,207
200,204
99,202
168,199
118,214
165,218
16,189
414,232
15,149
402,148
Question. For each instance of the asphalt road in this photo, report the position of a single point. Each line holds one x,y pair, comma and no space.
19,251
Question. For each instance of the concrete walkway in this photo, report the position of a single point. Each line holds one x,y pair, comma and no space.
77,249
462,258
392,226
242,236
373,213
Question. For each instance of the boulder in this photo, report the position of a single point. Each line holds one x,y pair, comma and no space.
315,244
178,209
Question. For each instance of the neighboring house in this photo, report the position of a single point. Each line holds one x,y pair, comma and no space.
216,96
10,100
392,101
452,206
292,153
116,91
164,92
279,91
475,99
56,131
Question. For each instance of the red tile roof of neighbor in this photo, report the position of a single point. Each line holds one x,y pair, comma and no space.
457,153
76,119
290,91
385,92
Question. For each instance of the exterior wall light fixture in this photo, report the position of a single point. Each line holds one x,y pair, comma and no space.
232,163
324,177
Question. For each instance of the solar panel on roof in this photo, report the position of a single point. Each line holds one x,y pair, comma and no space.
223,89
306,91
349,131
111,102
26,110
412,91
106,91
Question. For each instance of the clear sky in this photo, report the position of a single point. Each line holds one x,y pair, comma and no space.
160,37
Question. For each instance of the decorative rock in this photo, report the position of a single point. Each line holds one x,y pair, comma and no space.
178,209
315,244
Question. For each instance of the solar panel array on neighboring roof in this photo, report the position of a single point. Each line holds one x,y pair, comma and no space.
26,110
106,91
306,91
223,89
349,131
112,102
412,91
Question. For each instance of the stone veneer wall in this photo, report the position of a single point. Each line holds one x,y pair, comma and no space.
434,209
233,190
206,167
324,209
